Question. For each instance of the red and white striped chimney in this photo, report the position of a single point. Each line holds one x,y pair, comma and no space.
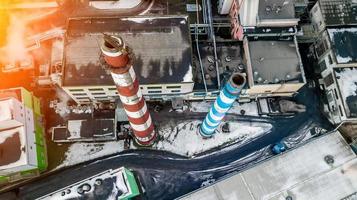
117,56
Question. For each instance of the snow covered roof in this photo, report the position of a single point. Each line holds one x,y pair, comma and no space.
161,46
302,173
347,83
344,44
12,148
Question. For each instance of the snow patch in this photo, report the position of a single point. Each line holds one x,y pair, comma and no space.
184,138
249,108
5,110
82,152
348,82
139,20
188,76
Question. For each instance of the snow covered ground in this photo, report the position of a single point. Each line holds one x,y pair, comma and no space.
249,108
184,139
81,152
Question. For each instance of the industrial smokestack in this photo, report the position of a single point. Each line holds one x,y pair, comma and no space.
223,103
117,56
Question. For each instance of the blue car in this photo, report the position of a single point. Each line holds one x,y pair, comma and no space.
278,148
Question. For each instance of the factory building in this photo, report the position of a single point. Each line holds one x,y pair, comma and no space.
332,13
261,17
335,24
335,50
276,72
22,141
337,64
162,57
167,63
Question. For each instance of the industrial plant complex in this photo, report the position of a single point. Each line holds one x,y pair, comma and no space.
178,99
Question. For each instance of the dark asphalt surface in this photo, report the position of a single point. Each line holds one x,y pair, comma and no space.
167,176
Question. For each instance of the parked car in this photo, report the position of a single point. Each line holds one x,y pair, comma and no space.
278,148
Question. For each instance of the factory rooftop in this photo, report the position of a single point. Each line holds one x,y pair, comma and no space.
347,83
339,12
268,13
162,49
324,169
276,9
274,62
344,44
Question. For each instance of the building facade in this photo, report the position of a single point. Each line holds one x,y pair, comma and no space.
337,63
22,136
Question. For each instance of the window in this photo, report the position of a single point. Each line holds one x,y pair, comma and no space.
98,93
155,87
79,94
322,65
173,87
339,107
100,97
95,89
335,93
76,90
154,92
329,59
328,80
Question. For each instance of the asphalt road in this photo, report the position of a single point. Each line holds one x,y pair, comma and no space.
167,176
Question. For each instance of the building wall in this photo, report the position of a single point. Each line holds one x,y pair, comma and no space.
317,19
11,111
224,6
334,109
30,138
287,89
87,94
35,147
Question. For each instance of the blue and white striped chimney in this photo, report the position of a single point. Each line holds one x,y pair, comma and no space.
223,103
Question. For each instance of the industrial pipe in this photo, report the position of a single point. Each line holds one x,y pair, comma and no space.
118,57
223,103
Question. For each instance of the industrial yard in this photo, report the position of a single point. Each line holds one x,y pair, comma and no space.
178,99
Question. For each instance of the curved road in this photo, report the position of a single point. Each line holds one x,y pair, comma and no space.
167,176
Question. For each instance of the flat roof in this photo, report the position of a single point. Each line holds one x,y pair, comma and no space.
86,130
275,62
339,12
347,84
12,148
161,45
344,44
301,173
276,9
